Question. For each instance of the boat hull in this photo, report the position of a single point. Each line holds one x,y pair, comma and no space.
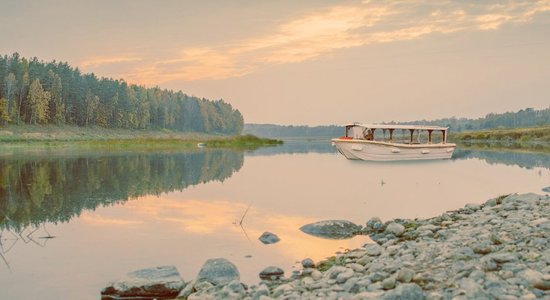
382,151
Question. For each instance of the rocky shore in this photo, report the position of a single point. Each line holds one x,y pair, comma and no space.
496,250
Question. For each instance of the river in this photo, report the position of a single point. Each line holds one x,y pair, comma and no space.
71,221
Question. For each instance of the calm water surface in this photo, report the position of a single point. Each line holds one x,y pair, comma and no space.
71,222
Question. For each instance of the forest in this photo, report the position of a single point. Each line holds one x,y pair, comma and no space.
38,92
528,117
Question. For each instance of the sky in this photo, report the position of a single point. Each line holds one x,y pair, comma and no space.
308,62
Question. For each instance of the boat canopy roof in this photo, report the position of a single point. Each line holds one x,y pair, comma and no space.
398,126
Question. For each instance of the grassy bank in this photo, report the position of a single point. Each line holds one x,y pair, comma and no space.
528,139
90,137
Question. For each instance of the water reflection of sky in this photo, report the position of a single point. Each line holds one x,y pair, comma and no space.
184,227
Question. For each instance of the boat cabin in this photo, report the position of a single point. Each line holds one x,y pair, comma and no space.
402,134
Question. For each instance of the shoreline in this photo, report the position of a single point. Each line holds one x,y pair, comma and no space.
496,250
36,137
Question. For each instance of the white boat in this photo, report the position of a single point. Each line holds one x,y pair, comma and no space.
386,142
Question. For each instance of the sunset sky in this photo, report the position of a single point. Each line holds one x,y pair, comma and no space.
304,62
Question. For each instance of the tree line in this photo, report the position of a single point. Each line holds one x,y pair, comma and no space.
38,92
528,117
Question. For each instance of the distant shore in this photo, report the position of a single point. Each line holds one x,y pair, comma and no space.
523,139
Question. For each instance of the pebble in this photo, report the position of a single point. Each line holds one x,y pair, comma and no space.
405,275
373,249
308,263
395,229
496,250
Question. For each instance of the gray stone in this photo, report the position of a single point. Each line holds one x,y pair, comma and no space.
515,198
269,238
472,206
280,290
546,189
262,290
272,273
344,276
388,283
463,253
160,282
308,263
488,264
203,286
316,275
535,279
235,287
395,229
375,225
368,295
373,249
377,276
218,271
188,290
428,227
477,275
504,257
491,202
407,291
332,229
472,290
482,248
405,275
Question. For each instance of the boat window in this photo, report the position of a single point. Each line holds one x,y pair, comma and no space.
421,136
356,132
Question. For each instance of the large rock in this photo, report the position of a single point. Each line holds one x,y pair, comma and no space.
546,189
271,273
269,238
218,271
332,229
160,283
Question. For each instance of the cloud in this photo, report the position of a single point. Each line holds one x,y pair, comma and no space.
106,60
324,32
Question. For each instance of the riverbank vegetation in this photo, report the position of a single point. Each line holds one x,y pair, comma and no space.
36,136
40,93
528,139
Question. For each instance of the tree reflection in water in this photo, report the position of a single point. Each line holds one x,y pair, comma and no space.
39,190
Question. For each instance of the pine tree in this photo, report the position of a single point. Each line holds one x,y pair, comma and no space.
10,86
56,105
38,103
4,115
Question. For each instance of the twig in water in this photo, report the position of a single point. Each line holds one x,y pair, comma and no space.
242,219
